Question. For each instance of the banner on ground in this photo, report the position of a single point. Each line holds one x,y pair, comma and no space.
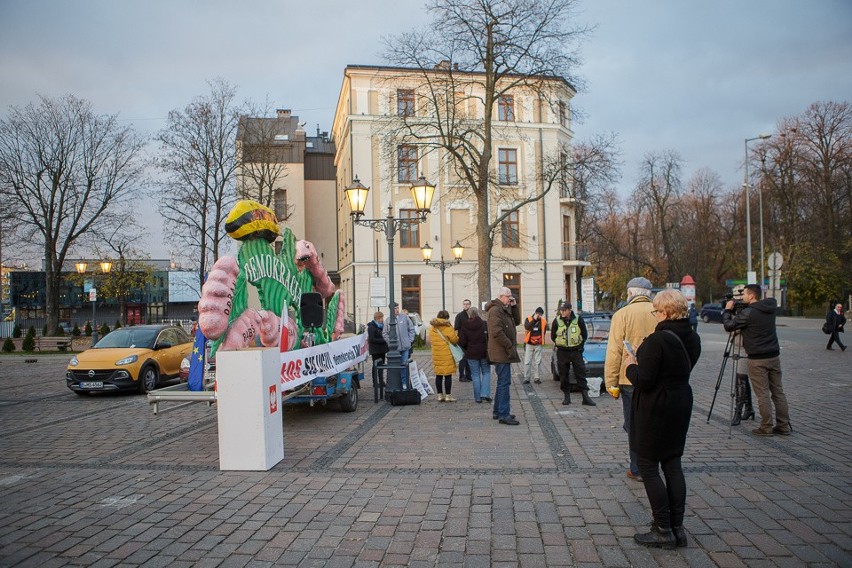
304,365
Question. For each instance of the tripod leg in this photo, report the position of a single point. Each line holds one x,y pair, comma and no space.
741,387
725,358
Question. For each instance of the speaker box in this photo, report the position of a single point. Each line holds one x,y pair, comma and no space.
311,306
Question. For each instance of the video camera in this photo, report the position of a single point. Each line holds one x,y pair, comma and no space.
737,297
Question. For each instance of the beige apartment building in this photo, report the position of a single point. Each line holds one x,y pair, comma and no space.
535,250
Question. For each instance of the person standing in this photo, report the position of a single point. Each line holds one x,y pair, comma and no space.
378,348
662,408
503,317
464,365
441,334
756,324
405,338
473,338
693,316
568,333
633,322
835,320
535,325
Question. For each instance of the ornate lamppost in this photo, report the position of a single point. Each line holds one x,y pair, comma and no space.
81,267
458,251
422,191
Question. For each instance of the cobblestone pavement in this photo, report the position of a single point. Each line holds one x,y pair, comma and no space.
101,481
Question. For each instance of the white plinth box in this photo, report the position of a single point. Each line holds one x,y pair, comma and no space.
248,400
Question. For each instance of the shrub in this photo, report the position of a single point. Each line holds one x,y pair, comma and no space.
59,332
44,331
8,345
88,328
76,331
104,330
31,331
16,333
29,341
117,324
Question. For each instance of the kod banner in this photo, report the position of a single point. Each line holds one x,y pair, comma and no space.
304,365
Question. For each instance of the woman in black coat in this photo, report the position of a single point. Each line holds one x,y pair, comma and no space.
473,338
662,408
378,347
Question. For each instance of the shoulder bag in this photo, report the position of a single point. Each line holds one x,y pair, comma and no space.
457,352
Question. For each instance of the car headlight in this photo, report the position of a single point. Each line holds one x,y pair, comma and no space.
73,362
127,360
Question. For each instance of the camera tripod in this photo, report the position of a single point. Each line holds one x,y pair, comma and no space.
733,350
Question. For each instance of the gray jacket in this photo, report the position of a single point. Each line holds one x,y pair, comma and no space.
404,332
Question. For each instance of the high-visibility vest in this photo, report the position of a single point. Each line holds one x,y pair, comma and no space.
568,335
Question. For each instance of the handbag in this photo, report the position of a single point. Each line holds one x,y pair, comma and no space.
826,328
455,350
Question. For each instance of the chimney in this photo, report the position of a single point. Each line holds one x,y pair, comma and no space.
444,64
283,112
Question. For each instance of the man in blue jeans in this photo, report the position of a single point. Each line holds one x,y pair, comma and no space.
503,317
633,322
405,337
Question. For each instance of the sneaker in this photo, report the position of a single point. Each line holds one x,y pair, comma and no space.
495,417
761,432
656,538
526,381
486,398
509,421
440,398
782,432
634,476
448,398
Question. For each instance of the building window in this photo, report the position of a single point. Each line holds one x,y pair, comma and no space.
409,233
406,164
511,231
512,281
411,293
506,108
563,113
507,163
405,102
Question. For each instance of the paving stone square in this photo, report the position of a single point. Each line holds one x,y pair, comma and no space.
102,481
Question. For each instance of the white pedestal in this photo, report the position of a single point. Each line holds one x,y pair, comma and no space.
248,400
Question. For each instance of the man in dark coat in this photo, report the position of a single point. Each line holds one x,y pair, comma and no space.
756,324
464,364
835,321
503,317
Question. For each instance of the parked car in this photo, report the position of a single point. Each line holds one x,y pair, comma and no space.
129,358
594,351
711,312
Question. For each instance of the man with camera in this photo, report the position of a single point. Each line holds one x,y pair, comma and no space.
756,323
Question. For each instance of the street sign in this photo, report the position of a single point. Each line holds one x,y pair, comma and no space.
93,294
775,261
378,297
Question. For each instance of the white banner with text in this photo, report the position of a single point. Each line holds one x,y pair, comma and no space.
304,365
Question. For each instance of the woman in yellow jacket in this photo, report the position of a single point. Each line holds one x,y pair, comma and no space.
442,358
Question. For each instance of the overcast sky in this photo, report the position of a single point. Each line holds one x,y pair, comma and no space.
696,77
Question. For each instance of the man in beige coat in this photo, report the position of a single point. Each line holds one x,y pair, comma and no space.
634,322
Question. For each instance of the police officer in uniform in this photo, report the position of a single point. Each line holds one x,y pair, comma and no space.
568,333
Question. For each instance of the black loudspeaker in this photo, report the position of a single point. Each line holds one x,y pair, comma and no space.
311,306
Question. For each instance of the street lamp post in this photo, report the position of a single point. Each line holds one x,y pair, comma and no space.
81,267
458,251
748,211
422,191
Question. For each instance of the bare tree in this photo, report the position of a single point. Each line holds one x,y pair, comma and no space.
263,149
198,156
65,168
473,53
657,193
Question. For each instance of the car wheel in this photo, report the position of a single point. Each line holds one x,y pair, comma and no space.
706,318
148,379
349,401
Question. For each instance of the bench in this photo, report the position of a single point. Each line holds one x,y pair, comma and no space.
52,343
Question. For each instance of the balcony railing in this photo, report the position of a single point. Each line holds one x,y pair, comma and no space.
573,250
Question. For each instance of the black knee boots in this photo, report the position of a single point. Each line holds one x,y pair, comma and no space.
743,409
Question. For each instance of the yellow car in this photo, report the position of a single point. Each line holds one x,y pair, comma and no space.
129,358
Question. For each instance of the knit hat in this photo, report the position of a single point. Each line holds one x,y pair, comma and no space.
539,310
